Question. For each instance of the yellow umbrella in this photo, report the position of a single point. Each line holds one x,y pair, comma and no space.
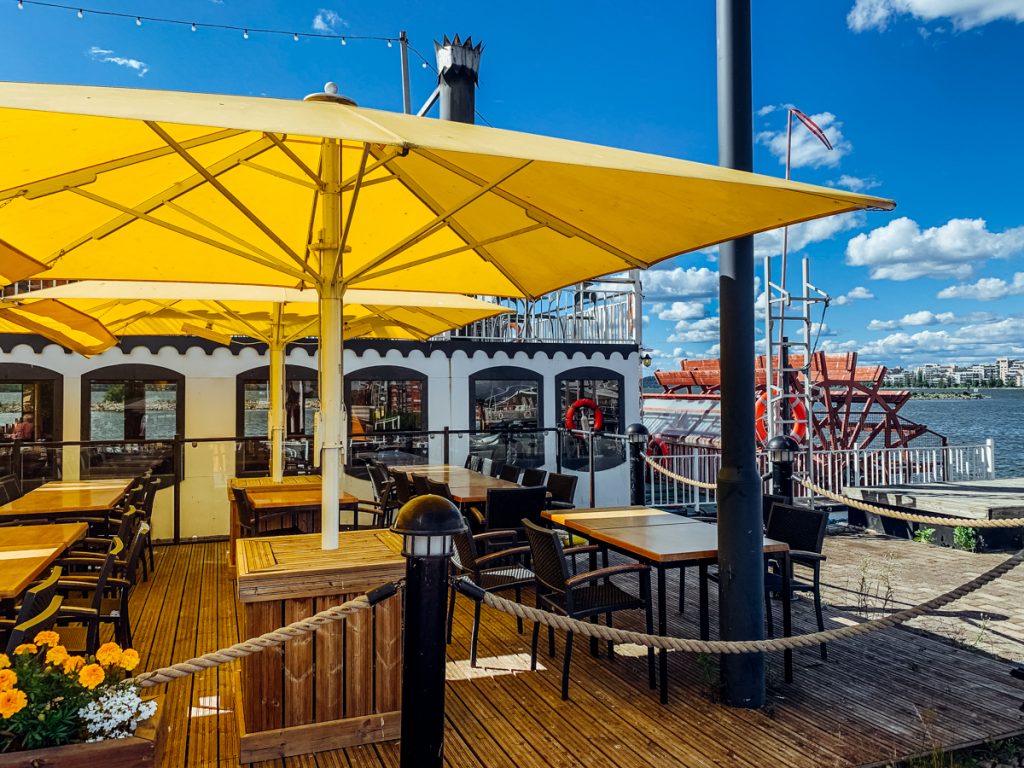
59,323
117,184
275,316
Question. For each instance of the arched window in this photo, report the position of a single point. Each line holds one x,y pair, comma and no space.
31,409
604,387
251,419
506,410
138,406
383,400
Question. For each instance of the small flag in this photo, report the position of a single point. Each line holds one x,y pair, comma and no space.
812,127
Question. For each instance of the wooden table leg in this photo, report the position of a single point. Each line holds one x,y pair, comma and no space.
787,619
662,630
705,621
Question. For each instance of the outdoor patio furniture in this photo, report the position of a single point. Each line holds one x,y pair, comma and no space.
562,489
496,467
10,488
249,521
476,463
438,488
582,596
803,529
508,507
36,598
419,484
469,462
509,472
767,501
383,486
499,570
486,466
92,584
533,477
43,620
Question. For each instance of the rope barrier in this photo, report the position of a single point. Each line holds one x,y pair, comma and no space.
679,478
267,640
689,645
910,517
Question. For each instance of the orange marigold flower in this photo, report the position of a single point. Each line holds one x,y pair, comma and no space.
12,702
8,679
47,637
5,662
129,659
72,664
108,653
57,655
25,648
91,675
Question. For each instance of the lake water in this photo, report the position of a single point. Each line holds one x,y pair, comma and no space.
1000,415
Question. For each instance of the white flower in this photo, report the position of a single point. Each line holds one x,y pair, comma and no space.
116,713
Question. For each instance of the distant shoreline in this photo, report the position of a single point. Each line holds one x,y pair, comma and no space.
919,394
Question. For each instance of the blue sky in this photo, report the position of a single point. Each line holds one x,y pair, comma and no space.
921,99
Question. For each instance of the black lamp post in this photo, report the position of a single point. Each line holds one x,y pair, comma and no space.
638,435
427,525
782,451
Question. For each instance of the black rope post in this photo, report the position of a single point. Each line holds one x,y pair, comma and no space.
427,525
782,450
637,434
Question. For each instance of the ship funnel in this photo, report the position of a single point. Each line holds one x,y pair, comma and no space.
458,71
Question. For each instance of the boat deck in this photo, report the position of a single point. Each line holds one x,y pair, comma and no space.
885,696
972,500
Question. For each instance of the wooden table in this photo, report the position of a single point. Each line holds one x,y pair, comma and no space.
299,492
27,551
466,485
352,694
59,499
664,540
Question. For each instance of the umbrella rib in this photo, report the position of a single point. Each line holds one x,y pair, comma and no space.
88,174
225,233
257,334
450,252
303,331
412,330
172,192
534,212
290,154
441,218
279,174
351,208
276,265
225,192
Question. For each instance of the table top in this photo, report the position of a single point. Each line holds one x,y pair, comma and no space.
651,539
466,485
55,500
261,483
289,567
27,551
615,517
265,497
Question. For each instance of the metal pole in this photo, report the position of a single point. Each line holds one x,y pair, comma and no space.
275,414
590,451
403,46
741,582
638,436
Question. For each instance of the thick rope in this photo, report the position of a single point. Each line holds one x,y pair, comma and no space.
679,478
1010,522
261,643
745,646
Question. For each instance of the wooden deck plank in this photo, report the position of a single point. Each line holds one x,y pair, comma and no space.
890,694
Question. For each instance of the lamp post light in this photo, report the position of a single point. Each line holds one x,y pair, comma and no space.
427,525
638,435
782,451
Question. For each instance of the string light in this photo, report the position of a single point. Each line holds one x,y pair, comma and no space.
21,5
344,41
389,43
80,14
245,34
138,21
193,26
295,37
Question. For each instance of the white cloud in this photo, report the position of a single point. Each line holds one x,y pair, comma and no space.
662,360
679,283
986,289
700,332
803,235
860,293
106,56
982,340
901,250
965,14
766,110
682,310
807,149
821,330
327,20
923,317
854,183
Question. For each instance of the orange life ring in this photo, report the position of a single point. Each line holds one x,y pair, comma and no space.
799,411
657,446
584,402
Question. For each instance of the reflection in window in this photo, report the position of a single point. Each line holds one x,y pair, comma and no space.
133,409
380,407
510,410
26,410
607,394
301,402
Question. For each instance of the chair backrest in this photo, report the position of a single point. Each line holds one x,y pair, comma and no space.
129,524
496,467
439,488
135,551
548,559
767,502
506,507
533,477
106,571
403,491
465,551
11,486
419,484
476,463
43,620
38,597
486,466
381,483
149,497
800,527
469,462
246,513
509,472
562,487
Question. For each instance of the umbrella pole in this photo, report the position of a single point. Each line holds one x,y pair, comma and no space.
276,412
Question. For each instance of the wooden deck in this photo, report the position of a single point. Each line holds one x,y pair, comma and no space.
973,500
890,695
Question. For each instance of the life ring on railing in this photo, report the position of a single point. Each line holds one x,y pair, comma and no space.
584,402
657,450
797,409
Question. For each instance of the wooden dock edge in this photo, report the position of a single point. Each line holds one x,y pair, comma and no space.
314,737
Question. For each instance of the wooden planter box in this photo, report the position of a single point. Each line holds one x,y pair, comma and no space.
143,749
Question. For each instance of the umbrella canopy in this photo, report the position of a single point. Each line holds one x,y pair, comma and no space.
69,327
105,183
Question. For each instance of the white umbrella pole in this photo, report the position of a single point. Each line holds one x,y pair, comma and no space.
276,413
331,377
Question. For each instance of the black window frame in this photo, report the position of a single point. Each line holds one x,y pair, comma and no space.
589,373
511,373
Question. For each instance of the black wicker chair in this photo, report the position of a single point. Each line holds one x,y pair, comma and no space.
533,477
403,488
508,507
582,596
419,484
28,629
510,472
499,570
563,490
